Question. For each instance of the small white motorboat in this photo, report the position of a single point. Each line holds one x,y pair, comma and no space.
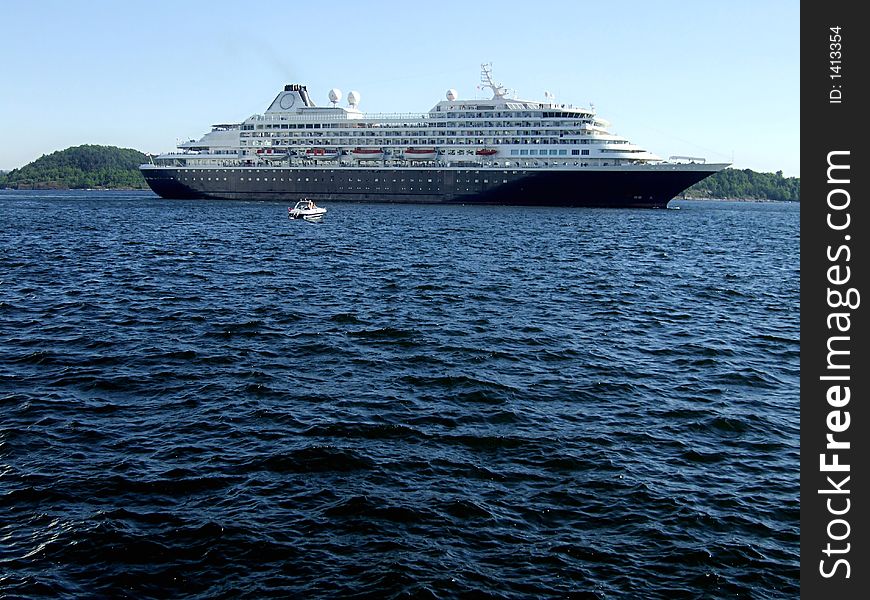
307,210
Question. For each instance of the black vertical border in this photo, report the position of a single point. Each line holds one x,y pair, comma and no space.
829,126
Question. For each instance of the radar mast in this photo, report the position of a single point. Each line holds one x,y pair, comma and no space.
498,90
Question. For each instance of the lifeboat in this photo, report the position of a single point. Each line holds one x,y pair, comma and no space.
420,153
487,152
367,153
270,153
321,154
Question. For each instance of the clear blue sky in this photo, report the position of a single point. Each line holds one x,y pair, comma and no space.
712,79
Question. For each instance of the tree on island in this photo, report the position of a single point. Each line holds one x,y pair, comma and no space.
746,184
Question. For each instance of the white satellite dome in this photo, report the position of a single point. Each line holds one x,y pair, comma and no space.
334,95
452,94
353,98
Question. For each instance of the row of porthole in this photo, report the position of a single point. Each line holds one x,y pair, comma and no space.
331,172
299,180
467,181
316,179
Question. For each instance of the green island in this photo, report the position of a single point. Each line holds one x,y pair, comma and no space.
80,167
745,184
109,167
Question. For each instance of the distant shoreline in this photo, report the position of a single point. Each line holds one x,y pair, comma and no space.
110,168
708,199
51,188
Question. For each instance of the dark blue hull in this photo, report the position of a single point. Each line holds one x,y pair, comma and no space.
628,187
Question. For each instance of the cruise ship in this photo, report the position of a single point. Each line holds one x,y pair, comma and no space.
502,151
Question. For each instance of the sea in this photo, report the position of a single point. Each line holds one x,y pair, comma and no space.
206,399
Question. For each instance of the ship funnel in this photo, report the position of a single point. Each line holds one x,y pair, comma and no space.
302,90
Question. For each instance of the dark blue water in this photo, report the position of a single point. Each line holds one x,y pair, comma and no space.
207,400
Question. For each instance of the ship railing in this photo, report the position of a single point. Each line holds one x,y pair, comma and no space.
396,117
343,117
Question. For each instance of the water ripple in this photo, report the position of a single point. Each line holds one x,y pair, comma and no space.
206,400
